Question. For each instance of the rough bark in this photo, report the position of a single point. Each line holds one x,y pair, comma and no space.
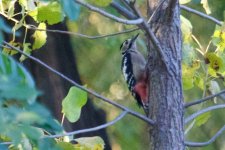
166,98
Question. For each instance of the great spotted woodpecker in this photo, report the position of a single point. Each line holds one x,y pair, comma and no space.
133,68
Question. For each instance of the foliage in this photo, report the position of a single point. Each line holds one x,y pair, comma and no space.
203,67
73,102
203,70
92,143
23,121
51,13
42,12
39,37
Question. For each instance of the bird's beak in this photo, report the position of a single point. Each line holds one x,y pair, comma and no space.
134,38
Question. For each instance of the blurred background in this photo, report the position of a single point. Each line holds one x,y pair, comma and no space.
99,61
96,63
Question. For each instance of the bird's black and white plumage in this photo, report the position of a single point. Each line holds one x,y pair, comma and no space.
133,68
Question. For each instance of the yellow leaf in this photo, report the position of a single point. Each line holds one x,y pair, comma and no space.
206,6
215,61
27,50
9,51
92,143
39,37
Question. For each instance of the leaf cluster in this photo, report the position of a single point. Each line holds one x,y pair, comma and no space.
43,13
23,121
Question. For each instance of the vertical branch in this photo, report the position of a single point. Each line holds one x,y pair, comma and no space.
166,97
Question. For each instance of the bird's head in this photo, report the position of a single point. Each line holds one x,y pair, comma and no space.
129,44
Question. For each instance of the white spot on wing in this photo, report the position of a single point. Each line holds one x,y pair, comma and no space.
125,68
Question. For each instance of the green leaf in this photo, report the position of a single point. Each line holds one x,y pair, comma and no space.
73,102
20,92
199,81
187,82
186,28
29,117
52,13
28,4
22,119
34,14
48,144
71,9
215,62
184,1
102,3
11,9
202,119
39,37
48,122
15,81
188,75
27,50
92,143
9,51
206,6
218,38
188,54
33,133
66,146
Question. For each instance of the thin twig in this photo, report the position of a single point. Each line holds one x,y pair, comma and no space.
90,129
108,15
203,99
201,14
123,11
136,114
207,48
10,18
193,116
199,44
201,144
6,143
205,82
83,130
32,27
62,120
155,11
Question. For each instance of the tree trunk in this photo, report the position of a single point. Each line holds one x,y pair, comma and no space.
165,93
